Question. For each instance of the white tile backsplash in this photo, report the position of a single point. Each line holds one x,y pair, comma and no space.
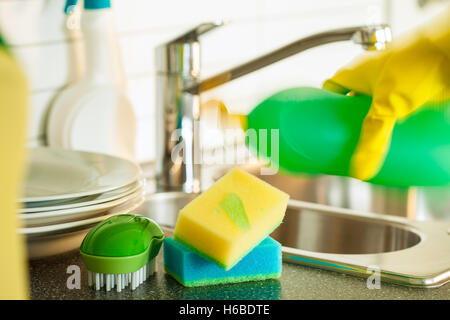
145,144
48,66
31,21
35,29
135,15
406,14
141,94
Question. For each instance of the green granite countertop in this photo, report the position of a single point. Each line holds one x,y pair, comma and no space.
48,278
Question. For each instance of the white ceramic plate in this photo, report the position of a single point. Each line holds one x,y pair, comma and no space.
56,239
84,201
68,215
54,174
36,204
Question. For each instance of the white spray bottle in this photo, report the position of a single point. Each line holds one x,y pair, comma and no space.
94,114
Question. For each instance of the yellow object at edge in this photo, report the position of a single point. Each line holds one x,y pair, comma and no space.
14,99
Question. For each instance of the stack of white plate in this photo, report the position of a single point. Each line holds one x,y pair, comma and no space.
67,192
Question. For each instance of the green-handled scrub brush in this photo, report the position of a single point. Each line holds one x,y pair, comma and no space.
121,251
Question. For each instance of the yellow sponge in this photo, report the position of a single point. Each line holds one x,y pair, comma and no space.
231,218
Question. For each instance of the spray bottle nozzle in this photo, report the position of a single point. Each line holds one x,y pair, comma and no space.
70,6
88,4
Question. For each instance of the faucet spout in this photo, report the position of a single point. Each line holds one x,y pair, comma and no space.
370,37
178,88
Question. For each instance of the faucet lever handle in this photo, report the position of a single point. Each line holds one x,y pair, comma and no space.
193,34
373,36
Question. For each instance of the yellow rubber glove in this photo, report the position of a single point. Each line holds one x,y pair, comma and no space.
13,107
411,71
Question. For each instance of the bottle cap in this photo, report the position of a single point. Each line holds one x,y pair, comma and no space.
88,5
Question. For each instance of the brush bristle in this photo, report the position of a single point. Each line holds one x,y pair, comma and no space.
121,281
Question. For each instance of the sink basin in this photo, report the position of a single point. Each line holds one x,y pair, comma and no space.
407,252
327,232
164,207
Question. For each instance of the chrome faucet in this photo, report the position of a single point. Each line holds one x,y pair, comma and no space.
178,89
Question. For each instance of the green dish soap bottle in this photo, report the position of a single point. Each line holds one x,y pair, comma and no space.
319,131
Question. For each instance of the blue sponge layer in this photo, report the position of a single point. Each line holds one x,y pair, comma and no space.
191,270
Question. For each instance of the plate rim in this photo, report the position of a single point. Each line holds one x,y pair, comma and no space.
42,231
137,174
30,217
130,188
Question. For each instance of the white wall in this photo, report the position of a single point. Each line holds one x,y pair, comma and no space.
404,15
36,31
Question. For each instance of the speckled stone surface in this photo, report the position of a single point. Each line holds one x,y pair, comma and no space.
48,279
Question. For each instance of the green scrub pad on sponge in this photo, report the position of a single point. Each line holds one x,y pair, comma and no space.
191,270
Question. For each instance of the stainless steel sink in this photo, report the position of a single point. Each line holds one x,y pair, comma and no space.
164,207
325,230
407,252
